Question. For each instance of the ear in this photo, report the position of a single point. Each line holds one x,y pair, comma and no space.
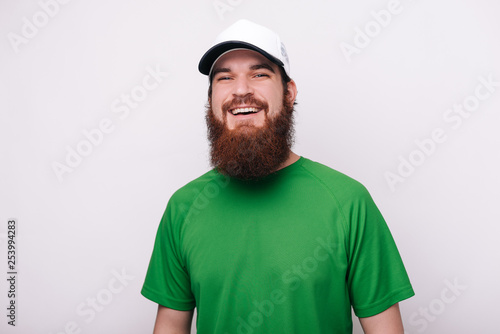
292,91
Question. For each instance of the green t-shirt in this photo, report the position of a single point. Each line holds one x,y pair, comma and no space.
286,254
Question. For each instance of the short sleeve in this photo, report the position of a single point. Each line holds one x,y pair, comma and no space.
167,281
376,276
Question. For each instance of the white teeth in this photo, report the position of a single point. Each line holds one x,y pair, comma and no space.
243,110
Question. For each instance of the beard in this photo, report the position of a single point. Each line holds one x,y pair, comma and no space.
249,152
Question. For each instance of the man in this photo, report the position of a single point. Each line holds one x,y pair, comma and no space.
268,241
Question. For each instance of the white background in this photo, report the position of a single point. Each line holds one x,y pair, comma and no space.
360,115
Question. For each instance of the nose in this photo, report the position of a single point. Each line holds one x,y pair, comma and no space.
242,86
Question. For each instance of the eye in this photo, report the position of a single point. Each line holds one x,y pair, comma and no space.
261,75
223,78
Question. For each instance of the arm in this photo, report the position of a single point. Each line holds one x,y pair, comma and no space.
170,321
386,322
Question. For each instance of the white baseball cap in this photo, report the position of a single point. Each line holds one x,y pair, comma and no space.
245,34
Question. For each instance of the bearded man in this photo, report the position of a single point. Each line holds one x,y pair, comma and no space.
269,241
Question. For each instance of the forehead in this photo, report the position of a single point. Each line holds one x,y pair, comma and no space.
242,59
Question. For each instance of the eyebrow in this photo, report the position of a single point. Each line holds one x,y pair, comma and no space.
253,68
220,70
260,66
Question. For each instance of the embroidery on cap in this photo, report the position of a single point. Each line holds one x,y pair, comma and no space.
283,52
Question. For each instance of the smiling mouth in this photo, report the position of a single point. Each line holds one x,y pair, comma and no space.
244,111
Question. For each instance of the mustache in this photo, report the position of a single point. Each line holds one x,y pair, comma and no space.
248,99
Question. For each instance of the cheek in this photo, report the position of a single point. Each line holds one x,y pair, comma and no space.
276,104
217,110
217,102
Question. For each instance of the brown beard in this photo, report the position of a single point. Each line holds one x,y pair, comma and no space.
250,152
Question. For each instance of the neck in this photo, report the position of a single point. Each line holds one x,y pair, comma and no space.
292,157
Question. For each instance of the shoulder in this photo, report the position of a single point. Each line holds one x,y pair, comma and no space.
340,185
193,195
190,191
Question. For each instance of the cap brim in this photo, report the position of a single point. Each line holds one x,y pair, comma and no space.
216,51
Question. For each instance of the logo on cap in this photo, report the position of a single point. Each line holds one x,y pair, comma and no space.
284,53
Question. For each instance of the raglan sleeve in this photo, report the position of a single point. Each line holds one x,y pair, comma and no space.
167,280
376,277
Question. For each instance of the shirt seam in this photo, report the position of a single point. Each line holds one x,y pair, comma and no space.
393,294
337,202
153,294
187,215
